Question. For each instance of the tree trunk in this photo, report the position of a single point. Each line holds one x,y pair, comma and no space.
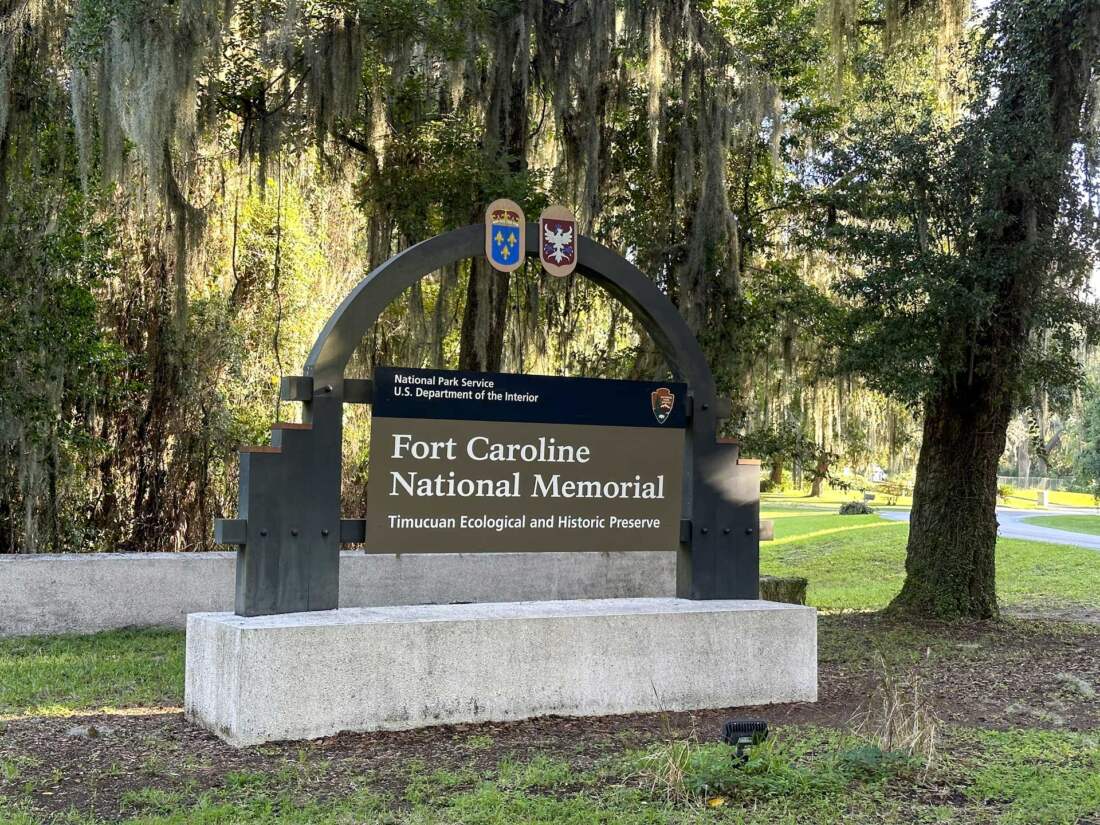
821,471
1041,411
1023,458
776,477
481,345
484,319
949,569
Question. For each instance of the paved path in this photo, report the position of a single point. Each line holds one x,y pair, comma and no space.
1012,526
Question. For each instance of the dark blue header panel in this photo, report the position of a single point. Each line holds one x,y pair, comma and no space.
401,392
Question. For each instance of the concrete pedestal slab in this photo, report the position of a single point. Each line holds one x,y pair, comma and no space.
306,675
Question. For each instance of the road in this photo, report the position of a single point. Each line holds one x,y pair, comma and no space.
1012,526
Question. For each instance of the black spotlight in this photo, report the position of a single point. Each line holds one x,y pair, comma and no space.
740,733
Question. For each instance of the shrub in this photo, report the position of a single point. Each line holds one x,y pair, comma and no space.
855,508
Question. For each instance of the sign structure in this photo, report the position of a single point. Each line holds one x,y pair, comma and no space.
530,462
505,235
558,241
482,462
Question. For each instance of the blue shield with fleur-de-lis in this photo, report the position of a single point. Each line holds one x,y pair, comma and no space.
504,235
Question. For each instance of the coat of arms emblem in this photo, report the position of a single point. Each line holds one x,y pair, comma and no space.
662,400
558,240
505,235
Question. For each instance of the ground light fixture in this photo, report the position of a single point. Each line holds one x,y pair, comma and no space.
741,733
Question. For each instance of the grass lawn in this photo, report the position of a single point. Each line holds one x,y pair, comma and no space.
59,675
89,731
1075,524
858,563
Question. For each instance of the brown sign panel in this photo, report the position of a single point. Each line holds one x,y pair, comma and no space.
478,480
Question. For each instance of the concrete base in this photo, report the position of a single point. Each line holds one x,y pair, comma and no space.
306,675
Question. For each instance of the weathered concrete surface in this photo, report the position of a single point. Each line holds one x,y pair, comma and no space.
306,675
84,593
41,594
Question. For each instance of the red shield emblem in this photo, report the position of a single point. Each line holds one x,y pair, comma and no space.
662,400
558,240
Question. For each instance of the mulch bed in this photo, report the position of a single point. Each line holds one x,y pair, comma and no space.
1017,680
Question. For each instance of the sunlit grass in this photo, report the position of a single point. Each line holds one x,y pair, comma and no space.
851,566
59,675
1074,524
1064,498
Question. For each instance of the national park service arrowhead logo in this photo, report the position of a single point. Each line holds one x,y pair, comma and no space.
505,235
662,400
558,240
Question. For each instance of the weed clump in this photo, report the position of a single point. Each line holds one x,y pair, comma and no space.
899,717
687,771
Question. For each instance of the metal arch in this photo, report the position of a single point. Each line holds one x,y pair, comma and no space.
719,556
368,300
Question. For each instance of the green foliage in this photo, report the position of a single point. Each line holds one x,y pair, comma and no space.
920,203
784,444
971,241
437,178
58,363
781,37
189,223
1087,464
856,508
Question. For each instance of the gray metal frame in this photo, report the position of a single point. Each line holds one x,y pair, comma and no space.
289,529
